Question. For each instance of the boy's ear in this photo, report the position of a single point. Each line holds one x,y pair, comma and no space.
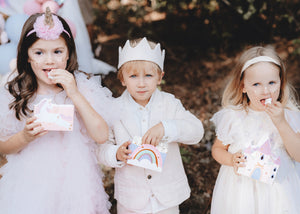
160,77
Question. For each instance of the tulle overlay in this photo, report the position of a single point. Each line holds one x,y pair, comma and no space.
56,173
236,194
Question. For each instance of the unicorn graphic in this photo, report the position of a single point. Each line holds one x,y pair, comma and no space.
54,117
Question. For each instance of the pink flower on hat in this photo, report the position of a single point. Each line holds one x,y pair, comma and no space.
48,32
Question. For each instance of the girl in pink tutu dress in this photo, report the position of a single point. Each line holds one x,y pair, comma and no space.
258,139
51,171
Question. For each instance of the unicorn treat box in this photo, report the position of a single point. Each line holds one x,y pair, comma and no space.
54,117
146,155
261,163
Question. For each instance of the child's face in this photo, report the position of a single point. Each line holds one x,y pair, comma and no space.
262,81
45,55
141,81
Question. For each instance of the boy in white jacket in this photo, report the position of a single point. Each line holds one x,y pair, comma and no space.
155,116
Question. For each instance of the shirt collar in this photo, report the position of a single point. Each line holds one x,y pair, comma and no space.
137,106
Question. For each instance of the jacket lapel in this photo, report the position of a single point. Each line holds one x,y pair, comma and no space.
128,120
156,113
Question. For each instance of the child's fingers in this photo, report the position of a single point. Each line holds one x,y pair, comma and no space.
154,141
37,130
30,120
145,138
33,126
41,133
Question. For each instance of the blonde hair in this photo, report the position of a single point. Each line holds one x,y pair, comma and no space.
233,94
132,64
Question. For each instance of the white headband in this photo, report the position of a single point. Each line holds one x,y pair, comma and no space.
142,51
259,59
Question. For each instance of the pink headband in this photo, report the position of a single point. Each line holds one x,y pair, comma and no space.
48,27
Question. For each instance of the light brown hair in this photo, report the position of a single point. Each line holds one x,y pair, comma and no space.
233,94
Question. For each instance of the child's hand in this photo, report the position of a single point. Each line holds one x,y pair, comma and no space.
154,135
123,152
32,130
238,161
276,112
66,79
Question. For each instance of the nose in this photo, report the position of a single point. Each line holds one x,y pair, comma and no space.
49,59
266,90
141,82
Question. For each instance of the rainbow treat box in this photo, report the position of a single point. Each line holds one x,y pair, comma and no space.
54,117
146,155
261,164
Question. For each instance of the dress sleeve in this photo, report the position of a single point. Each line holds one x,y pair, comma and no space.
9,124
226,125
99,97
293,118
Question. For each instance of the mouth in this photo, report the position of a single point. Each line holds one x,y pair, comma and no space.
47,71
266,101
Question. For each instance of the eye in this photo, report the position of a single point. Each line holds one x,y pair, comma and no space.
132,76
58,51
255,84
148,75
272,82
38,52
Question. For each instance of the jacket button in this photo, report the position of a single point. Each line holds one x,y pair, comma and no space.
149,176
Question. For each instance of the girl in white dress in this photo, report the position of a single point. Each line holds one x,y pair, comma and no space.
51,171
258,110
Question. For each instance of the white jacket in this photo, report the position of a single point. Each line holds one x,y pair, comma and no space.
135,185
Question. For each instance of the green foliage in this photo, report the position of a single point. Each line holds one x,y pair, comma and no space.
208,24
185,155
296,43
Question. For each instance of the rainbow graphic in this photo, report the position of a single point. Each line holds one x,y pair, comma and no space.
146,156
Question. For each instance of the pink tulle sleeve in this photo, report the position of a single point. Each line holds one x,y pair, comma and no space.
9,125
99,97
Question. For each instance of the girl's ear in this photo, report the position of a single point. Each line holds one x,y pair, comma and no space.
243,88
123,83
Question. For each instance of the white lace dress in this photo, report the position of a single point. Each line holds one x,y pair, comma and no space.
58,172
238,194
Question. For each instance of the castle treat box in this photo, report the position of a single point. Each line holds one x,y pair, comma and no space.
54,117
261,163
146,155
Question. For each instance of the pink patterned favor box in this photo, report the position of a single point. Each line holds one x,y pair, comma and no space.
54,117
261,163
